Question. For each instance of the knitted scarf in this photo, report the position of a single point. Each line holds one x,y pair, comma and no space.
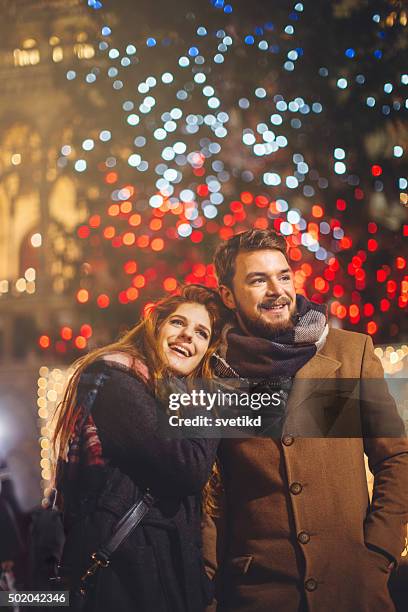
270,364
284,354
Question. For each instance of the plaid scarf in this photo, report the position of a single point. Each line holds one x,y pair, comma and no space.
85,448
282,355
85,462
270,364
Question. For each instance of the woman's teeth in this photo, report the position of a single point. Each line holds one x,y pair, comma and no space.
180,350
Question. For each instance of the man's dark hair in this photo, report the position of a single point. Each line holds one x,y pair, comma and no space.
251,240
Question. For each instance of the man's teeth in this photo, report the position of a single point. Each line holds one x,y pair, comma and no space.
273,307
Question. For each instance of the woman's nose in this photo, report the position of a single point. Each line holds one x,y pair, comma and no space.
186,334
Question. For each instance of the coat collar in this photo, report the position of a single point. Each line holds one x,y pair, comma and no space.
311,375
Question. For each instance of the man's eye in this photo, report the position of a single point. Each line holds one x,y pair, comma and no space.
286,277
257,281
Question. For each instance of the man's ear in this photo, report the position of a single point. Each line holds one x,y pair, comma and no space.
227,297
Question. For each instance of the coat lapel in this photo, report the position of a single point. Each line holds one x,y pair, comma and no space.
310,377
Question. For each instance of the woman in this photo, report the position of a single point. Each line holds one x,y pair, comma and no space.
112,453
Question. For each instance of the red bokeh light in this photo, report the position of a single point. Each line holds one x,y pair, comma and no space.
170,284
157,244
132,294
66,333
111,178
295,254
126,207
103,300
130,267
139,281
143,241
199,270
247,197
321,284
341,311
236,206
261,201
262,223
202,190
113,210
346,243
80,342
86,330
381,276
135,220
128,238
83,231
156,224
95,221
196,236
368,310
109,232
44,342
372,327
123,298
225,233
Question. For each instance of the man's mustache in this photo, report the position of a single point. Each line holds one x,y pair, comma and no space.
271,303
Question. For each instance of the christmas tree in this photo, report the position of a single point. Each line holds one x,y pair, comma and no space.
204,119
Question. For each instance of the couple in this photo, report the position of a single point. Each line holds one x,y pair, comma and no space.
289,526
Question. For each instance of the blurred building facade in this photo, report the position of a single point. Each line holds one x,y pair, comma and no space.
38,209
38,206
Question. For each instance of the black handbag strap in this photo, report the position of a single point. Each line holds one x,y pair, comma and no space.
124,527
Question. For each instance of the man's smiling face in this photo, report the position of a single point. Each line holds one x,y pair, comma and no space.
262,293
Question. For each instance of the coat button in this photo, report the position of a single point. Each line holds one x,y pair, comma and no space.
295,488
288,440
303,537
310,584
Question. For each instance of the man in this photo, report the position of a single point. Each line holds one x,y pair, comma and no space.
295,530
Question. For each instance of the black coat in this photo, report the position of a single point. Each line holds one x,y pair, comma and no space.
159,568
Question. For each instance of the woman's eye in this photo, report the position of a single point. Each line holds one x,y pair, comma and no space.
176,322
203,334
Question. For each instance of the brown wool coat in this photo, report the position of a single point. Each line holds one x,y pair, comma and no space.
330,519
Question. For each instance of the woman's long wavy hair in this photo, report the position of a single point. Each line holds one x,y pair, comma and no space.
140,343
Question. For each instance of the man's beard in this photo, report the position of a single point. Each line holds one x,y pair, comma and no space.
261,328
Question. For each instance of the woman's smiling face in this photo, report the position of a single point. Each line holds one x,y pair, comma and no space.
184,337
